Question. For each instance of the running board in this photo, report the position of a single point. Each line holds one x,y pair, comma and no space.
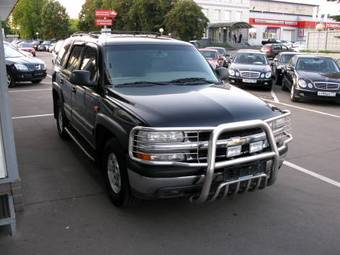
81,144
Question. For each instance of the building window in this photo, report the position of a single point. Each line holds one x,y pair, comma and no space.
216,15
227,15
238,16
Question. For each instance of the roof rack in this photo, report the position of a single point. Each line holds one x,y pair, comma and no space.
96,34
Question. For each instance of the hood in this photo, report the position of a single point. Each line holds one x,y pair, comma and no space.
24,60
192,106
310,76
257,68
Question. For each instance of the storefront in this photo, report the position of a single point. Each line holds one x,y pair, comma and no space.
230,32
9,176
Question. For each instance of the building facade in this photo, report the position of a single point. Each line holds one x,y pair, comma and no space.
227,19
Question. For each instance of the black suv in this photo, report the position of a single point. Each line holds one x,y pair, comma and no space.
159,121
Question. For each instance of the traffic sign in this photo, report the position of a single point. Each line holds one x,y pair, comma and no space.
106,13
103,22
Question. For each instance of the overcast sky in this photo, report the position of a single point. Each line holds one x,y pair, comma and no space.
73,7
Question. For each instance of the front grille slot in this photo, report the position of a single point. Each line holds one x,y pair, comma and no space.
327,85
250,74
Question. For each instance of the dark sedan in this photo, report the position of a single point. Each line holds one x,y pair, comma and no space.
22,68
279,63
313,77
250,68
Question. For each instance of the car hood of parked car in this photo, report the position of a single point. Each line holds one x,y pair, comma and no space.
256,68
331,77
24,60
191,106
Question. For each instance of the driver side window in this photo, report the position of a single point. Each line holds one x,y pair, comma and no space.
90,63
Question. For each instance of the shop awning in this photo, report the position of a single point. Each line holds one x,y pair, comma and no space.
232,25
6,7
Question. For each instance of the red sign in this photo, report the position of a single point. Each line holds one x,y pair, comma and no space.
106,13
103,22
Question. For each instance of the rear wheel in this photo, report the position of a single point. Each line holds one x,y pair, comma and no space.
115,171
62,121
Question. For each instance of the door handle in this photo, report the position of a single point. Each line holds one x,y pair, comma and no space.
74,90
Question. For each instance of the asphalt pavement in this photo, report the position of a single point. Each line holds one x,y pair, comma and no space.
68,212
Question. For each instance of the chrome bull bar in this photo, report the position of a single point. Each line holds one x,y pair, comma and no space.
273,154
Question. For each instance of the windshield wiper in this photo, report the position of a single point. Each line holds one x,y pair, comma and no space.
192,81
141,83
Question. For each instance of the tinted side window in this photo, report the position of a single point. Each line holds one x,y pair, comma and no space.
89,62
75,58
276,47
62,54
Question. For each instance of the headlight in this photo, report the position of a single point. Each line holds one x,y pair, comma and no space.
310,85
161,137
280,127
237,73
231,72
21,67
262,75
268,75
43,66
302,83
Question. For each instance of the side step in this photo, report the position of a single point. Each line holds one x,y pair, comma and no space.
7,213
81,142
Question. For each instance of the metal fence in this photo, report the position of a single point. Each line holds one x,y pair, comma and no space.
323,41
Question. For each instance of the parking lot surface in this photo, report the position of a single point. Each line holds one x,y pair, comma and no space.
68,212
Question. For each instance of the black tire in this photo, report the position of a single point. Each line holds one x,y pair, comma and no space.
116,177
36,81
62,121
293,96
10,80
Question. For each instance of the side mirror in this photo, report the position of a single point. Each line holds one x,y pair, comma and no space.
81,77
222,73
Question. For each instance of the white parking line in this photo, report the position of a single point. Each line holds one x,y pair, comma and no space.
32,116
303,108
274,96
27,90
49,76
311,173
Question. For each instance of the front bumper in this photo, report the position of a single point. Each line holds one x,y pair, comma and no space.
259,82
215,179
29,76
310,94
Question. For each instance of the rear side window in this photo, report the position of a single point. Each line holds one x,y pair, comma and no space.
75,58
62,54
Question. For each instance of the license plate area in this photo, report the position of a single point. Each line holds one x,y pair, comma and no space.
249,80
326,94
236,172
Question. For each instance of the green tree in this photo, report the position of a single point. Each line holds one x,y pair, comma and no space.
186,20
55,20
73,26
7,28
87,16
27,17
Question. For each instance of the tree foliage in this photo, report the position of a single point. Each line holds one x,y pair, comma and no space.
55,20
87,16
186,20
27,17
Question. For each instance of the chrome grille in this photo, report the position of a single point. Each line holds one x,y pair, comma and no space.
327,85
250,74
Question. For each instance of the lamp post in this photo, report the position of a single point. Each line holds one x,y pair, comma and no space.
319,27
161,30
37,34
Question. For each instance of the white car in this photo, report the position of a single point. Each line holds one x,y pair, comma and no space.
299,46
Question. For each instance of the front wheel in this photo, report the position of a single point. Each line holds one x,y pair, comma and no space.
293,96
115,171
10,80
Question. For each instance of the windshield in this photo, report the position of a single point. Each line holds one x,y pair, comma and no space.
12,53
25,45
286,58
250,59
318,65
155,63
